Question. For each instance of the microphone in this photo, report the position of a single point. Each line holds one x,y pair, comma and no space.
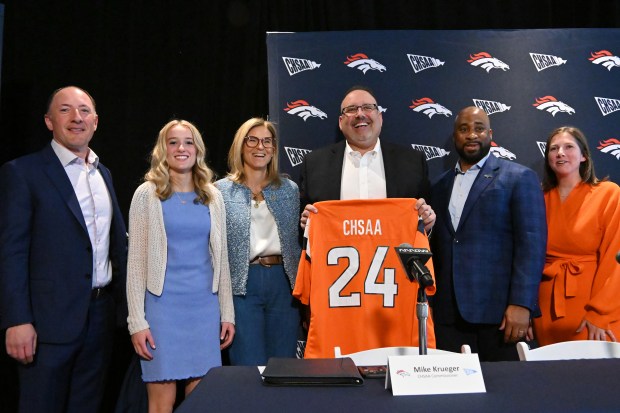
413,260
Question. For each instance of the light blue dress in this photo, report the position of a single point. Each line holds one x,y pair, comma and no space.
185,320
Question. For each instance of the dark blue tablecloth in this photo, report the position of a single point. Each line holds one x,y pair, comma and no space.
535,386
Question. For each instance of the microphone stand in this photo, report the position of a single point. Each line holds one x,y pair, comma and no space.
421,274
421,310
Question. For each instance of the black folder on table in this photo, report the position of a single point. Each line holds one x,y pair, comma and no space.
312,372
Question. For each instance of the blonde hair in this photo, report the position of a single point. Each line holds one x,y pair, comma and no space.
159,172
235,154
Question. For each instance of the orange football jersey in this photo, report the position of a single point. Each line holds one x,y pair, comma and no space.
352,278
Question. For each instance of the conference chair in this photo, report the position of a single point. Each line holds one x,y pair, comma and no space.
568,350
379,356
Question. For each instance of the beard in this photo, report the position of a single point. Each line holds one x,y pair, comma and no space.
473,158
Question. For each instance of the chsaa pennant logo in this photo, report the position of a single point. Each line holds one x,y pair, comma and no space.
604,58
419,63
490,106
431,152
294,65
545,61
429,107
501,152
296,155
610,146
542,146
487,62
304,110
552,105
361,62
607,105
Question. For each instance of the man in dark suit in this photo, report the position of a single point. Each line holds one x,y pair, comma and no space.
488,246
363,166
62,263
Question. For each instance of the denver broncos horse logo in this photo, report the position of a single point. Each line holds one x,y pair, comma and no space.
605,58
487,62
501,152
610,146
362,62
552,105
304,110
429,108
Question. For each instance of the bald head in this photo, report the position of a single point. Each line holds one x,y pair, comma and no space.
472,136
54,93
472,111
72,119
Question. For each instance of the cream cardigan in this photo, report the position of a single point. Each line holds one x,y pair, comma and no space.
146,263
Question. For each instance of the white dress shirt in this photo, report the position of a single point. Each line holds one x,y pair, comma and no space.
363,176
96,205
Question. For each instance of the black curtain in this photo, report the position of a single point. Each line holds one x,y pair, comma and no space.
146,62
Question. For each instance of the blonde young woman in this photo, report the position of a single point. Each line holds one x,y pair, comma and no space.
178,285
262,217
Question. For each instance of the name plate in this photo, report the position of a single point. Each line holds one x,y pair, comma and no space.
434,374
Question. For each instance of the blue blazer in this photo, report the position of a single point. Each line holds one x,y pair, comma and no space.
496,255
46,259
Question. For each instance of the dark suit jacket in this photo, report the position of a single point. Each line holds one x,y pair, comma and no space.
406,173
46,258
496,255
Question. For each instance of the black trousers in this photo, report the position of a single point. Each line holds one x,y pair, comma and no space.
70,377
485,339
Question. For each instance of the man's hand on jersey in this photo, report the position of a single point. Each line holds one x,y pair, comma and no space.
305,214
426,213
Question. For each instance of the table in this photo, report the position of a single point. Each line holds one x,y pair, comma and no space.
515,386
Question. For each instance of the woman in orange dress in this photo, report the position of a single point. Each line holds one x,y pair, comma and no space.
580,288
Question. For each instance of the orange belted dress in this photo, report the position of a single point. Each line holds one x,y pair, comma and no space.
581,278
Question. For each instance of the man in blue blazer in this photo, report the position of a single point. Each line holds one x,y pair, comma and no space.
62,263
488,246
362,166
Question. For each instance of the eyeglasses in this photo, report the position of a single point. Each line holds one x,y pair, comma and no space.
352,110
252,142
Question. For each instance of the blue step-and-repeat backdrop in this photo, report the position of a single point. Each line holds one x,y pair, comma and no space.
528,81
